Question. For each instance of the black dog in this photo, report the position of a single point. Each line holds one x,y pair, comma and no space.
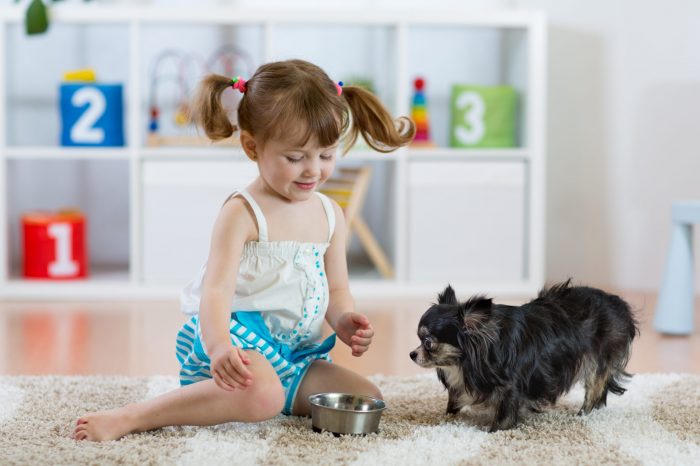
511,357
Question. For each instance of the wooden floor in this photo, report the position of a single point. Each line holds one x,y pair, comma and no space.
137,338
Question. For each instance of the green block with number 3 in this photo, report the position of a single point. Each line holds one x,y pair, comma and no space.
483,116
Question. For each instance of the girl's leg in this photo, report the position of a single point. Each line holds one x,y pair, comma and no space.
199,404
323,376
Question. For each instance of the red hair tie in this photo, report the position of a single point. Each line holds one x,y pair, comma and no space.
238,83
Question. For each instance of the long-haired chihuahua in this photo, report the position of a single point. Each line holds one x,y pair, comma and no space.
513,358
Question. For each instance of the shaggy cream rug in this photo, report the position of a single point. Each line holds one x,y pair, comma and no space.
656,422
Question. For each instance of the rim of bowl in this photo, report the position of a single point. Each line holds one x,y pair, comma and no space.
375,400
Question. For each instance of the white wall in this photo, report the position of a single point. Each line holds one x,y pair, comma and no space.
623,135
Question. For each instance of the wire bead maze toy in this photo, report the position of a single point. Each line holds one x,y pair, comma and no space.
183,70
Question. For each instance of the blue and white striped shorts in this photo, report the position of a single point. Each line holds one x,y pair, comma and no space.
248,331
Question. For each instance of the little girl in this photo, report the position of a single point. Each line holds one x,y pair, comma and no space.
277,263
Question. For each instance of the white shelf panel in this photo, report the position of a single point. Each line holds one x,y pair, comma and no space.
444,154
236,154
370,155
61,153
361,288
102,281
91,13
394,289
193,153
25,290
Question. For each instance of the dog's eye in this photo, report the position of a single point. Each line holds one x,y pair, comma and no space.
428,344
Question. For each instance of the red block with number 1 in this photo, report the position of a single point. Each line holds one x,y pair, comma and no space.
55,245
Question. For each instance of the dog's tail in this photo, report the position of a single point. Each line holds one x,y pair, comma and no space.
556,290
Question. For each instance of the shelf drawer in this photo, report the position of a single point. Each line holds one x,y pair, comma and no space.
181,200
466,221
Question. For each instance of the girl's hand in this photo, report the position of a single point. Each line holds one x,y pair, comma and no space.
228,368
354,330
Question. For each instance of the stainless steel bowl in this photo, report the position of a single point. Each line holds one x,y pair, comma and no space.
343,413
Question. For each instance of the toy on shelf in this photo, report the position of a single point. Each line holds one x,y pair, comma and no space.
483,116
54,245
189,68
349,189
92,113
419,115
84,75
360,81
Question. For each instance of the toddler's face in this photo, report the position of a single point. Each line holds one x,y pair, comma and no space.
296,172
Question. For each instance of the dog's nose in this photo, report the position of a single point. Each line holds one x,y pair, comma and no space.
413,355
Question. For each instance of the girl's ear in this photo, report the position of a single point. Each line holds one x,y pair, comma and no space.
249,145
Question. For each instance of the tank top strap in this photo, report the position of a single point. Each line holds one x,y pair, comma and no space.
330,213
259,217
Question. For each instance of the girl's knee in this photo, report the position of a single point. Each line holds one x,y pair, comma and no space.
369,389
374,391
266,400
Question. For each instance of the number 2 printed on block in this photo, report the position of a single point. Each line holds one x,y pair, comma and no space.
92,115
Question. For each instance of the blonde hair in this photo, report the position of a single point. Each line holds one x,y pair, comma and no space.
281,95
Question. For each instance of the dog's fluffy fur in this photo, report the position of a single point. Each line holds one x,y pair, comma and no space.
509,358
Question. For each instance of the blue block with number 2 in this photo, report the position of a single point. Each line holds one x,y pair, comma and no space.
92,114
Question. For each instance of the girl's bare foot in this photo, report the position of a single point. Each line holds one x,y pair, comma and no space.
105,425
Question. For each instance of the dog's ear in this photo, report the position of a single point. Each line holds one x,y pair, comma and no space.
447,296
475,312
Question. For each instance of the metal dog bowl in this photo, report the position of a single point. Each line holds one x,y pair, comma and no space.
342,413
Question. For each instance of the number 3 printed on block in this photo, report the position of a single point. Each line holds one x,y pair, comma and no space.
473,128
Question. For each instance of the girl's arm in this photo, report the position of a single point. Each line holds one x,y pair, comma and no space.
233,227
352,328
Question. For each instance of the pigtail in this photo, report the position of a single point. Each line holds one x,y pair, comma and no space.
207,110
373,121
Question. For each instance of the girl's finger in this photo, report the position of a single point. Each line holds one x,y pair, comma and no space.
220,383
225,383
234,378
359,349
244,357
365,333
360,319
361,341
240,368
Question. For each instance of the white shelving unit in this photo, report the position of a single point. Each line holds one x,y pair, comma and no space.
502,189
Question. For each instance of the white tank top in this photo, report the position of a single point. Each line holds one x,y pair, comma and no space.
283,280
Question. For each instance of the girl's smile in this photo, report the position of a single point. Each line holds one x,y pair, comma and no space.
305,186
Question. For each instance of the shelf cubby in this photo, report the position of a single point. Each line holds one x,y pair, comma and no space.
150,208
88,185
38,64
